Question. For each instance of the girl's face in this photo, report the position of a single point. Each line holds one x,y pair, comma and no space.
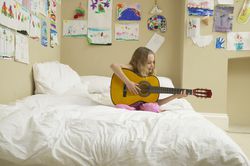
151,63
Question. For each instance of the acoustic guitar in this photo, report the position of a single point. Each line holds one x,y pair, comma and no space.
150,89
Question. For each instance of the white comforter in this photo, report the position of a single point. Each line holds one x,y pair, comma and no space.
73,130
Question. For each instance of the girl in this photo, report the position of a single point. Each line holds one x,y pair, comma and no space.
142,63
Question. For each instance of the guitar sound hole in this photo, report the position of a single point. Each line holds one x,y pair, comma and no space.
144,86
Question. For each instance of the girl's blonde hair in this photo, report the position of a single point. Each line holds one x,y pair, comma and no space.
139,61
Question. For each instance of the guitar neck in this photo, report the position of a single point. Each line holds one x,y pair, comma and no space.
154,89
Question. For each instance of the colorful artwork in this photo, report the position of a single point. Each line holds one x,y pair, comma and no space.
157,22
219,43
200,7
35,27
79,12
23,19
100,22
128,13
244,15
99,36
53,31
22,48
193,27
44,34
223,19
100,6
238,41
127,31
8,13
53,38
52,14
7,43
74,28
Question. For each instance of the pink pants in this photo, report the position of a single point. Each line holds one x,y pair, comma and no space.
152,107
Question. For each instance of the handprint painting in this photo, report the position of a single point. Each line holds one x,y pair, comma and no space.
220,43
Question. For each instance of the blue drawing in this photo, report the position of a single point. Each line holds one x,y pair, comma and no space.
130,14
200,11
220,43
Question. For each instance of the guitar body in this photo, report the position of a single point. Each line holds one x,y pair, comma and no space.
121,95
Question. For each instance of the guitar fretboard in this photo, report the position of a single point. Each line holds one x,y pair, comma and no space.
154,89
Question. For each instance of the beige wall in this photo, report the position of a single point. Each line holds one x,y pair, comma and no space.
16,78
208,68
91,59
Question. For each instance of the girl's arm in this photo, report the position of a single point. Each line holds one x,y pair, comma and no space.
168,99
117,69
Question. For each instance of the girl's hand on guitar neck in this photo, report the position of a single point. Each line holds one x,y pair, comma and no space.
181,95
133,87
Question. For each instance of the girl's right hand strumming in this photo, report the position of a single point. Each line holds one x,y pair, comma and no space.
133,87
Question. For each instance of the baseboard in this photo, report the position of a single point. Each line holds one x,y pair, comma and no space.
239,129
220,120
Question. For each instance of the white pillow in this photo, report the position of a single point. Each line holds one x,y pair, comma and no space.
54,78
165,82
101,98
97,84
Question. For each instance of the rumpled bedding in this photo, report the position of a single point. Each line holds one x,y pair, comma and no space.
76,131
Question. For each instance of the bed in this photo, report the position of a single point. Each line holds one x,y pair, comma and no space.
71,121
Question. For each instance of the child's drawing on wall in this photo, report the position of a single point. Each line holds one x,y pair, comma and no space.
8,13
100,6
200,7
238,41
223,19
35,27
99,30
99,36
128,13
193,27
7,42
127,31
157,22
74,28
44,34
219,43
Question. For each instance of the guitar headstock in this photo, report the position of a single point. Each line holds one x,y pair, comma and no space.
204,93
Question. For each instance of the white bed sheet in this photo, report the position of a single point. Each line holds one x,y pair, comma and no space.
73,130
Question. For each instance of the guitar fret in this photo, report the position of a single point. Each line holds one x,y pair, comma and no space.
154,89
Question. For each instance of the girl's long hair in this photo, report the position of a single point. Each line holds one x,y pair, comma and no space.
139,61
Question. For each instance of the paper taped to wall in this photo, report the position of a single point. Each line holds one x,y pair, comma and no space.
155,42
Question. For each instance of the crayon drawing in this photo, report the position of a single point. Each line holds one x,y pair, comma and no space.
127,31
200,7
128,13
